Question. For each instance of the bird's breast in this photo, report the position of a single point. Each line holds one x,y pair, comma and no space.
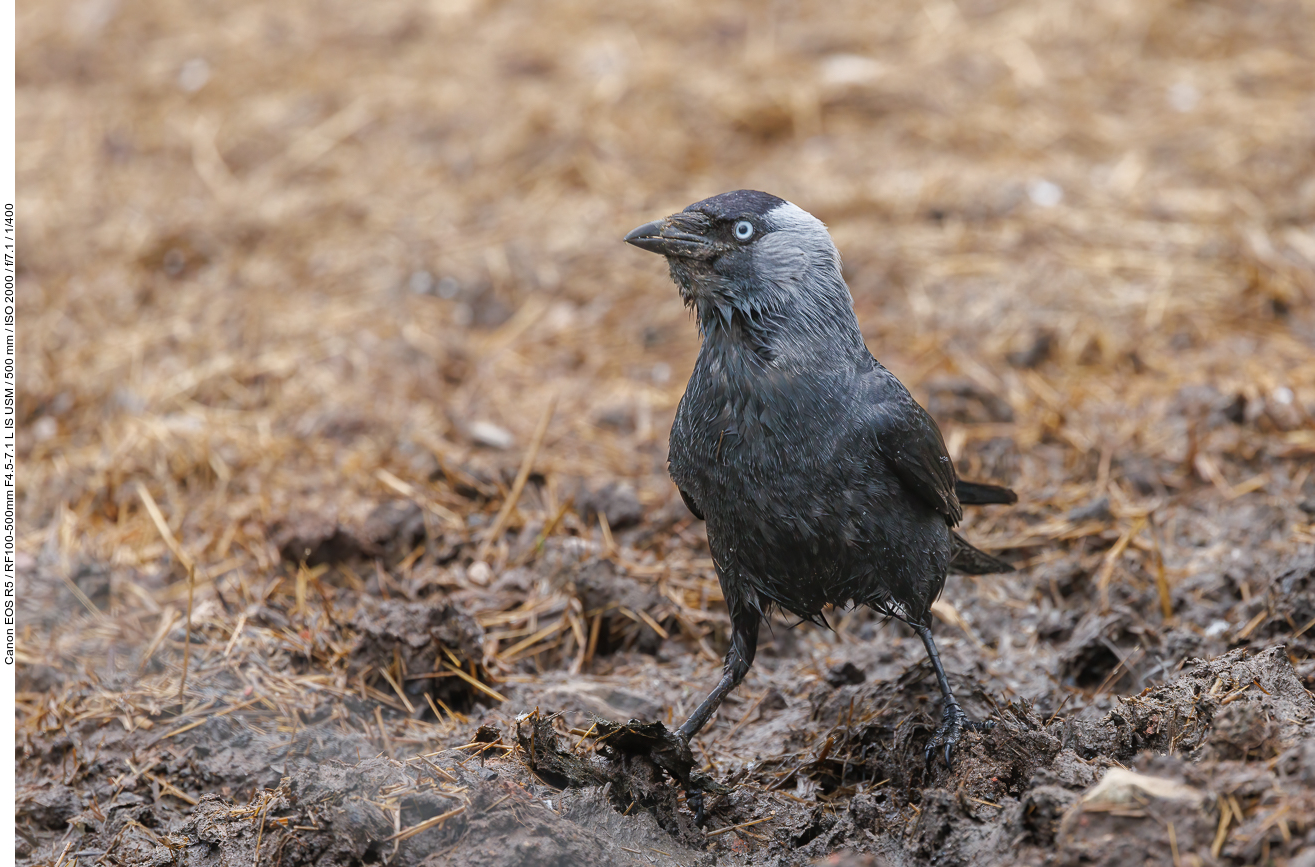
773,435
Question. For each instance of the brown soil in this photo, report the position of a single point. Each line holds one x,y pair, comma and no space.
345,534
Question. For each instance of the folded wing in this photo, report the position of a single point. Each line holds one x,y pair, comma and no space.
912,444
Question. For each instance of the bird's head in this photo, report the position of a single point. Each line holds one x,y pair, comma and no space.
754,253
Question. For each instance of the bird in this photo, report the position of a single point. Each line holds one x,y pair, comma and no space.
821,480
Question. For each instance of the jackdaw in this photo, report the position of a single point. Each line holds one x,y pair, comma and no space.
821,479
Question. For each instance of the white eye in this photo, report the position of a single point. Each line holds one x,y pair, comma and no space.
743,230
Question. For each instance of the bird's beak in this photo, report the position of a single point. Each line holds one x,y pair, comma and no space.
673,236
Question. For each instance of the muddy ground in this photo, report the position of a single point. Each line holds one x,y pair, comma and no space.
345,531
821,751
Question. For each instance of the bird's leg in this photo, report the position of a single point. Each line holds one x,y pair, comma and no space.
733,674
953,719
697,720
744,645
730,678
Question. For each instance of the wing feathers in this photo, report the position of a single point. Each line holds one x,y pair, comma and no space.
910,440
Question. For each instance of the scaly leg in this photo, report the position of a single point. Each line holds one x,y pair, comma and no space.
730,678
744,645
953,719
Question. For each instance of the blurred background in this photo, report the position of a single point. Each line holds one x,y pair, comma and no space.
296,274
279,246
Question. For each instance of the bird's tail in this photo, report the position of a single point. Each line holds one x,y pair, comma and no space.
967,560
979,494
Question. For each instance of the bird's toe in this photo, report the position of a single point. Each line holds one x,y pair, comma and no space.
947,737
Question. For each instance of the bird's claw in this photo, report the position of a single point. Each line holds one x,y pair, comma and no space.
953,723
693,794
694,800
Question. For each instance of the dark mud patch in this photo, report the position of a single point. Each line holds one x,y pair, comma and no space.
389,531
476,806
1029,790
818,754
1222,753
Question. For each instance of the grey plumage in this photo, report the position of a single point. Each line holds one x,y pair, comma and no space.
821,479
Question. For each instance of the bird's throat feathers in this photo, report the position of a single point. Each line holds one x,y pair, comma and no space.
771,309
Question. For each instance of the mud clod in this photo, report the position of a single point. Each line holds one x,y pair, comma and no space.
846,673
417,630
389,531
615,501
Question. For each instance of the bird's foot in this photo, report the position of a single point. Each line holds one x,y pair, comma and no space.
953,723
694,793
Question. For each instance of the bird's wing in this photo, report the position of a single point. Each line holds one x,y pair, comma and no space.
690,504
910,440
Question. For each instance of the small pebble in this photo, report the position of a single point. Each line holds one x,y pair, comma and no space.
486,433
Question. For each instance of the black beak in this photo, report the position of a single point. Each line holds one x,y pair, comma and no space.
670,237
